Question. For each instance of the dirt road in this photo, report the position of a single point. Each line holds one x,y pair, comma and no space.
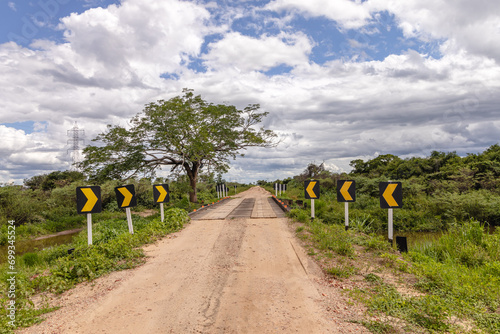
234,269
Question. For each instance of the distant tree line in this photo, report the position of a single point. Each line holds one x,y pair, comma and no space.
474,171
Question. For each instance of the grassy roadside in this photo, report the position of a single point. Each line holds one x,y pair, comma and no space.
54,270
451,285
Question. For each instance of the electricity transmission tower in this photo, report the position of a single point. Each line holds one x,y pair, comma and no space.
75,135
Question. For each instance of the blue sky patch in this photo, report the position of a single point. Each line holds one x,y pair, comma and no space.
27,126
197,65
170,76
24,21
278,70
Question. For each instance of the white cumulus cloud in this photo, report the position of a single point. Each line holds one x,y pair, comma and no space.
249,53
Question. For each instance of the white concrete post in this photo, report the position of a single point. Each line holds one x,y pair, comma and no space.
89,228
312,208
129,221
162,213
346,215
390,226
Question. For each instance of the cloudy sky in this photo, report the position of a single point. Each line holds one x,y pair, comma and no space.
341,79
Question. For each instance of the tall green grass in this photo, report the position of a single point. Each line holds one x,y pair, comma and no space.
462,269
459,274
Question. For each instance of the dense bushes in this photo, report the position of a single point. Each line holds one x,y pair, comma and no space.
22,206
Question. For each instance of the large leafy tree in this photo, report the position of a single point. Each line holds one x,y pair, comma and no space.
185,132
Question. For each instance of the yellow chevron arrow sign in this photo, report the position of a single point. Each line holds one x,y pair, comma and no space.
391,195
345,190
128,196
88,199
91,199
163,193
388,194
312,189
125,196
160,193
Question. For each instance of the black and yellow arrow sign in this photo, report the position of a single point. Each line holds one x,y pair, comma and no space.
125,196
311,188
346,191
161,193
88,199
391,195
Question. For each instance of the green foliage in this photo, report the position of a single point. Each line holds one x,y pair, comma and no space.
341,271
331,238
422,210
21,205
375,243
299,215
53,180
373,278
299,229
363,224
466,244
440,171
430,312
379,327
462,269
31,259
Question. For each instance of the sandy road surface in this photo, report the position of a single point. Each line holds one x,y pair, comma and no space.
222,274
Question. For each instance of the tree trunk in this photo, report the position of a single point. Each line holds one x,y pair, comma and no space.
192,173
193,198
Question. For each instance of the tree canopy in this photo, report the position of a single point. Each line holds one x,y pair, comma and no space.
53,180
185,132
478,171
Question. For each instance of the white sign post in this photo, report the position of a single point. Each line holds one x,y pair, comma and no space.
129,220
89,228
312,207
346,215
162,213
390,226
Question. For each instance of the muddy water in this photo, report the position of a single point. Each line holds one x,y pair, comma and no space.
26,246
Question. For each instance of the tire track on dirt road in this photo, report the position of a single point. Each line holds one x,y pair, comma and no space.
223,258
